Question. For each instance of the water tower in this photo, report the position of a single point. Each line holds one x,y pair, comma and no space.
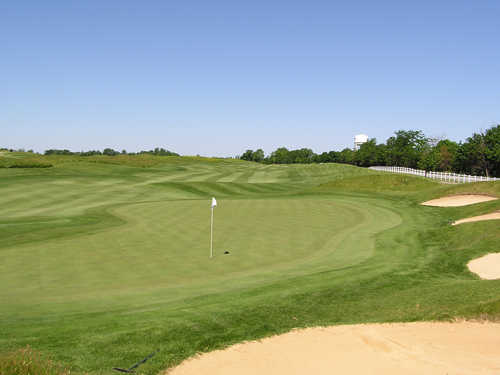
359,140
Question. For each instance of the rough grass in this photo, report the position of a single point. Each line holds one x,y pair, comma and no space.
27,361
23,161
106,263
381,183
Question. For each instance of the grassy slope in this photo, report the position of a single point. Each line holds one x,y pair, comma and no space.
105,259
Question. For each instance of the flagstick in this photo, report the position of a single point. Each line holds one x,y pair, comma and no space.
211,231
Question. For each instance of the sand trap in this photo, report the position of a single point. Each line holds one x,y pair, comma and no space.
487,267
414,348
492,216
459,200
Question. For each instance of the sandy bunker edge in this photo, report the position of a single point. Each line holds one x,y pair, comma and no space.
459,200
410,348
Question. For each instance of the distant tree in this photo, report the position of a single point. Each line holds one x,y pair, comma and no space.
406,148
447,151
367,154
58,152
247,155
258,155
492,141
346,156
159,151
333,156
280,156
90,153
109,152
429,159
324,157
381,154
480,154
302,156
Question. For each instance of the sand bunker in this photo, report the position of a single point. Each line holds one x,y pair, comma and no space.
492,216
414,348
459,200
487,267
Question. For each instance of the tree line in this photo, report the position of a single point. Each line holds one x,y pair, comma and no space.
110,152
477,155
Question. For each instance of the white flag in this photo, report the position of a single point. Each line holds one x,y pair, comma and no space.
214,202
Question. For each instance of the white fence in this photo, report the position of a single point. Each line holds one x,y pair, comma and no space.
452,178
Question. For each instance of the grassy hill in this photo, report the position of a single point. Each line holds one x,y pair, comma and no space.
105,259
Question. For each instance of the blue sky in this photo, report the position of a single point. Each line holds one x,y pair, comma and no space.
218,77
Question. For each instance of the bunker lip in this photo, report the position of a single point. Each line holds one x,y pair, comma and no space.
401,348
486,267
459,200
491,216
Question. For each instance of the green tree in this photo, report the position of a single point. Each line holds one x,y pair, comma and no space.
247,155
367,154
109,152
280,156
302,156
492,142
258,155
429,159
447,151
480,154
346,156
322,158
406,148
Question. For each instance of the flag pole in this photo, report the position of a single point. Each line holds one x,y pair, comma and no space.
214,203
211,230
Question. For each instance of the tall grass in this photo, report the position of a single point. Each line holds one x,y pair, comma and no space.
27,361
28,162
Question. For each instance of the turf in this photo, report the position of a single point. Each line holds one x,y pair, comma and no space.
105,259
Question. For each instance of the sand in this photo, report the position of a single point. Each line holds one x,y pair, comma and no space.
492,216
487,267
388,349
459,200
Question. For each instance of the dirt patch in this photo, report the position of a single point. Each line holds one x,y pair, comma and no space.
459,200
412,348
492,216
487,267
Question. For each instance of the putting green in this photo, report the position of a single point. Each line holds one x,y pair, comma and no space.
163,247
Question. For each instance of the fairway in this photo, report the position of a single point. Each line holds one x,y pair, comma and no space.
106,260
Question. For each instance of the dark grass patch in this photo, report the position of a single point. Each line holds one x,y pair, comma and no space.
23,163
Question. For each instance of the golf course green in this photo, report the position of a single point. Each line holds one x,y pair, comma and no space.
106,259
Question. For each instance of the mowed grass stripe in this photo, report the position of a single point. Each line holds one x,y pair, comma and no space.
231,177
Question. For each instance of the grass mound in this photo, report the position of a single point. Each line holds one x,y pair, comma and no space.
381,183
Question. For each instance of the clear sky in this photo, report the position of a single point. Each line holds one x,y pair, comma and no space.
218,77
